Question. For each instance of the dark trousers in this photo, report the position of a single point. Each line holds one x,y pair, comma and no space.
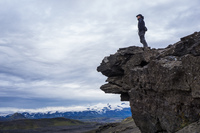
142,38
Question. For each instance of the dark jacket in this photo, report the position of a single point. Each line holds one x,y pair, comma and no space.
141,24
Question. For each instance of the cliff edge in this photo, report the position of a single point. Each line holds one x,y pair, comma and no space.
162,85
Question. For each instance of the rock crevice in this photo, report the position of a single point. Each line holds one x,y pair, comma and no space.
162,85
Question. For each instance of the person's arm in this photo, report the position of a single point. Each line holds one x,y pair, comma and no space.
141,25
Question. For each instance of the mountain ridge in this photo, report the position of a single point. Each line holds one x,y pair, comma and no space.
105,114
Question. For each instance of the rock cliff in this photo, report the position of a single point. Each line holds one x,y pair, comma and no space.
162,85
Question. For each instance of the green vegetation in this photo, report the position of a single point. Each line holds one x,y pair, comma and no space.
127,120
37,123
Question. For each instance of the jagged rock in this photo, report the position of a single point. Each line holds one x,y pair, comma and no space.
162,85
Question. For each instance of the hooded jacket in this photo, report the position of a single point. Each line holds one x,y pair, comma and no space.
141,24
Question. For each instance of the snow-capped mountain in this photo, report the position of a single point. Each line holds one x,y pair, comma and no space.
100,112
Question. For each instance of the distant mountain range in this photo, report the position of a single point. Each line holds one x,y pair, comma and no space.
108,113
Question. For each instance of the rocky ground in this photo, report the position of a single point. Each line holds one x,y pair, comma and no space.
192,128
162,85
126,126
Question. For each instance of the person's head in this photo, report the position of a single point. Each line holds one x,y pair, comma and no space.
139,16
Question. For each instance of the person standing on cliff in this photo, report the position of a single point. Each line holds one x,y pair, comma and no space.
142,29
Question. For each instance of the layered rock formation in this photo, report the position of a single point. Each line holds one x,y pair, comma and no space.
162,85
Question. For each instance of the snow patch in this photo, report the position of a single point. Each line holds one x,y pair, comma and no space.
100,108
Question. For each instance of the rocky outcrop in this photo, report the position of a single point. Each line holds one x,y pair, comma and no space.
126,126
162,85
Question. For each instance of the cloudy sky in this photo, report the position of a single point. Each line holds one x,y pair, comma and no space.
49,49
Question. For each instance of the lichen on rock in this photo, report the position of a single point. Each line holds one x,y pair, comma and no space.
162,85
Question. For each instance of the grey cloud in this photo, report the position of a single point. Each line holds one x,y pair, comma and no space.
48,44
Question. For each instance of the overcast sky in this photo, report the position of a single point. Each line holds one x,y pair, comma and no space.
49,49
